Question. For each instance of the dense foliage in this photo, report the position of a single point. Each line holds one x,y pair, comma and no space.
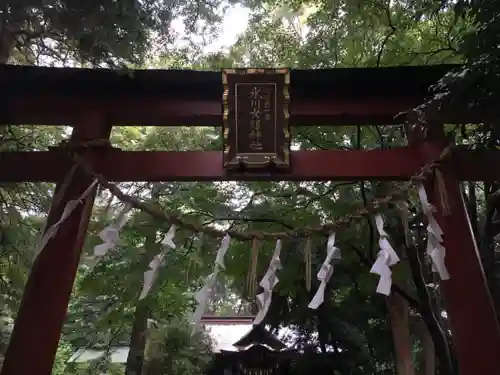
172,350
98,32
352,324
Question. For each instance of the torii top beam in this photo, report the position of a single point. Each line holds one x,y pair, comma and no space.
340,96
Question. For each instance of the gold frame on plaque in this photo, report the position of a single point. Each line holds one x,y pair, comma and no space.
257,160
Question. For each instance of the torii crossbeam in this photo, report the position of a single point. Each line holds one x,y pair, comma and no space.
92,101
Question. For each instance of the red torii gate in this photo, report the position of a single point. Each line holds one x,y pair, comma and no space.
92,101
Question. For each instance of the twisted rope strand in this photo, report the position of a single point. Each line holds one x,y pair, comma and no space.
304,232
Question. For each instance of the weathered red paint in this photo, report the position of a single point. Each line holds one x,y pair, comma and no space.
344,96
117,165
474,325
324,165
38,324
159,111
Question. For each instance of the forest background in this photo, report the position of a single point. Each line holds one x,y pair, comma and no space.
352,325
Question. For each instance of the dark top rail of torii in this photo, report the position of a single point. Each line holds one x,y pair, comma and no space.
340,96
93,100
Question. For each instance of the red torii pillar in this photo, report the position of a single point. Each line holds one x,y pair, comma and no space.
473,321
43,309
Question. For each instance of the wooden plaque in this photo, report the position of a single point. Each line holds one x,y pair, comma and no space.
256,132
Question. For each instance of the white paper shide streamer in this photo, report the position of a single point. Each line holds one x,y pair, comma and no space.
111,235
205,293
435,250
325,272
267,283
158,261
68,210
386,258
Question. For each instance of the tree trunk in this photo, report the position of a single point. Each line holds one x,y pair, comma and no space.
398,316
135,358
436,331
428,357
138,337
